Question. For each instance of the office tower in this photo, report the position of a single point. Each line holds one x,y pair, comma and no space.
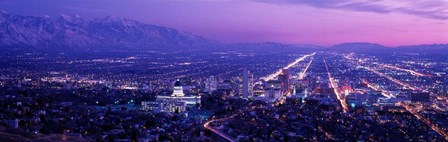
284,80
211,84
247,84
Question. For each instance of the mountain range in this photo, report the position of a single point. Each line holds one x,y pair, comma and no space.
374,48
73,33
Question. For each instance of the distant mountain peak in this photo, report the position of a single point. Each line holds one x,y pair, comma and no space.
69,18
3,12
359,44
47,17
65,17
358,47
112,18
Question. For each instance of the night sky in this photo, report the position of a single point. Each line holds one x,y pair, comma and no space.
320,22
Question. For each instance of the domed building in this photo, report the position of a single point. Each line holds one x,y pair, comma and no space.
178,90
176,102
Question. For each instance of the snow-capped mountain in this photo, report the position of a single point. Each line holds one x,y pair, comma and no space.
75,33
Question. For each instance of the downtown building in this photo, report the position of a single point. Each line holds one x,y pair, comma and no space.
177,102
247,86
211,84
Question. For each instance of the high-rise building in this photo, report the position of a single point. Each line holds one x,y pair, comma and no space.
247,84
284,80
272,93
211,84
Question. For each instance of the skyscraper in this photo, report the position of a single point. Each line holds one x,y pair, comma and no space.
284,79
247,84
211,84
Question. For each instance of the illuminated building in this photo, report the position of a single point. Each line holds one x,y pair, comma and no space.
149,105
176,102
247,89
284,80
272,93
211,84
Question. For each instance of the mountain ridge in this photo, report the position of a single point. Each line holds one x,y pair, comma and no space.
75,33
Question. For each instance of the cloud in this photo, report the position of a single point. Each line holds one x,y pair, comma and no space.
434,9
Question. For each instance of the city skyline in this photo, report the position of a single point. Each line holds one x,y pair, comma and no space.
223,70
326,23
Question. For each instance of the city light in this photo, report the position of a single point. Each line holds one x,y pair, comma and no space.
412,72
233,71
392,79
376,88
428,122
303,73
278,72
334,85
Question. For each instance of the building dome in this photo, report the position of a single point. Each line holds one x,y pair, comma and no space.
177,83
178,90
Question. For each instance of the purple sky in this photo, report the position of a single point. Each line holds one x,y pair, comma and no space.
320,22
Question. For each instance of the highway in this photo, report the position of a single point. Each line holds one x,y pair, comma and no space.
303,73
425,120
218,132
412,72
277,73
376,88
334,85
392,79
